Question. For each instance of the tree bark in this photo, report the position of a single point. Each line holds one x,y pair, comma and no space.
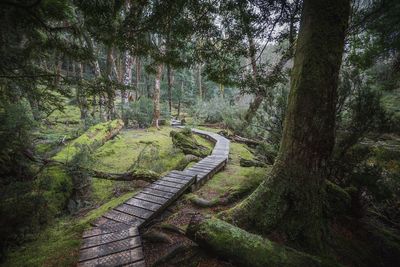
127,79
289,201
156,95
110,88
200,83
80,95
138,69
170,83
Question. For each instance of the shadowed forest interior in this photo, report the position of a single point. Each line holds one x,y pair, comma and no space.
200,133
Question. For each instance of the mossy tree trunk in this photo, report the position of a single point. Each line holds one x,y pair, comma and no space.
289,201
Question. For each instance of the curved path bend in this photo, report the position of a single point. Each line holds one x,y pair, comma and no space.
114,239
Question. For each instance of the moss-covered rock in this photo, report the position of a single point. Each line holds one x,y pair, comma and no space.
188,144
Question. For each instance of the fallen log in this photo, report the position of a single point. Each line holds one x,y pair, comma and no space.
251,163
55,181
240,139
246,249
137,174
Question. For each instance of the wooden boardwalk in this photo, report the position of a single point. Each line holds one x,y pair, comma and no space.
114,239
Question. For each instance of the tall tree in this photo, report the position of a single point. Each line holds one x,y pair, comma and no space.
289,201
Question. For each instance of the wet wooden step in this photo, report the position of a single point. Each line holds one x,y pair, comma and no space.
122,258
102,239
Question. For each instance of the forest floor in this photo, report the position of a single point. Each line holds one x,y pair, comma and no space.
151,149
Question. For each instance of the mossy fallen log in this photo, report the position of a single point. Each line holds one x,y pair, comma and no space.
187,143
137,174
54,182
246,249
251,163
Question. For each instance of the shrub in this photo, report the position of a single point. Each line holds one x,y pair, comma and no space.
139,113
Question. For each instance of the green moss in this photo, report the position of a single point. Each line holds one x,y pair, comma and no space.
338,200
102,189
248,249
148,149
94,137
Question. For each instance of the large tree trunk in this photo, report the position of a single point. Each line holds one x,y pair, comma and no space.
156,94
289,201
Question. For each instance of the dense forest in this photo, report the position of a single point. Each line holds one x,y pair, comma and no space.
200,133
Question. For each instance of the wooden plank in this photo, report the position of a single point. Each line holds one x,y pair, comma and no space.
181,174
123,217
196,171
107,238
204,168
143,204
109,248
116,259
157,193
151,198
183,178
174,180
136,264
100,230
164,188
134,211
103,222
169,184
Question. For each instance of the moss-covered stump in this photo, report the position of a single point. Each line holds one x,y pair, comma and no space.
54,181
187,143
246,249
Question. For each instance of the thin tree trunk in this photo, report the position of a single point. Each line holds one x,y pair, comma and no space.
170,83
127,81
138,69
200,83
110,89
179,100
289,201
156,95
80,96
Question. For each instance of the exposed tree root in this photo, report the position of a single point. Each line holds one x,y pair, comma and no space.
154,236
244,248
172,228
177,250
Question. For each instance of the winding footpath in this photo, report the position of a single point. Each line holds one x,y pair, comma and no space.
114,239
